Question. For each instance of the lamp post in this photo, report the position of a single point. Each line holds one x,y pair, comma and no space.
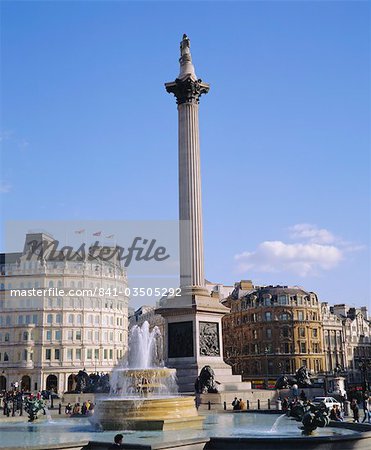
266,367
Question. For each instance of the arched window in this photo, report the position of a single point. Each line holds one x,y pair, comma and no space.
51,284
6,357
58,318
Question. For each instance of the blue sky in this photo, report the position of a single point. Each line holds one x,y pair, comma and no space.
89,133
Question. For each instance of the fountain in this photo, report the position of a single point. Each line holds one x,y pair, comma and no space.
144,393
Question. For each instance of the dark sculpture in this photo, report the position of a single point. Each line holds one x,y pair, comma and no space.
311,416
205,382
92,383
33,406
302,379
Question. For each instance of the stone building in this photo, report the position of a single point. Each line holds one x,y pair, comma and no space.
272,330
335,347
357,337
46,339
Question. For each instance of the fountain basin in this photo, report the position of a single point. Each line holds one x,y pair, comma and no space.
161,413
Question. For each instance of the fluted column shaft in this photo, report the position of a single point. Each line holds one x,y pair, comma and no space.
190,202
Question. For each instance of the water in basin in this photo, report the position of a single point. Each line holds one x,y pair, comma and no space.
61,430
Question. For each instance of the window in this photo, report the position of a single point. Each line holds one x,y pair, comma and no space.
286,348
6,338
285,332
105,353
70,335
20,320
96,336
268,333
6,357
48,354
78,353
255,334
285,317
70,318
56,353
303,347
8,320
28,319
96,353
282,300
302,332
58,335
24,355
314,332
58,318
111,354
90,335
25,336
78,319
268,316
111,336
89,353
315,347
49,318
48,335
34,319
96,320
300,315
78,335
69,354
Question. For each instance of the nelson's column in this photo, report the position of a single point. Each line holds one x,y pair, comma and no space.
193,320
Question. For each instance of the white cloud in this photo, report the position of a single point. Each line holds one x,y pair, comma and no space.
301,259
319,250
311,233
5,187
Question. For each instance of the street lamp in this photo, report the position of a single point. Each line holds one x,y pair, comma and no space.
266,350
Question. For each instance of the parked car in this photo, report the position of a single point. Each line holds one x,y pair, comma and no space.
328,401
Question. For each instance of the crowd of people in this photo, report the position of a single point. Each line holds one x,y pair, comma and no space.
86,409
366,406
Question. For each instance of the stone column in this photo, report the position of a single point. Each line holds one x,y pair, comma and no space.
187,90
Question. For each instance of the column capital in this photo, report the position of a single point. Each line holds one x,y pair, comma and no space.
187,90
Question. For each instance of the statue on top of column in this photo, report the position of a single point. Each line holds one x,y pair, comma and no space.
186,66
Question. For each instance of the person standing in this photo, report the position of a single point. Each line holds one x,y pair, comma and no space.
355,409
235,404
366,411
242,404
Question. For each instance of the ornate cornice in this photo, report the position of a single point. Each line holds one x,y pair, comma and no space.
187,90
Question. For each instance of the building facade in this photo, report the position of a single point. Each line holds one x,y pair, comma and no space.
78,321
335,347
272,330
357,336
